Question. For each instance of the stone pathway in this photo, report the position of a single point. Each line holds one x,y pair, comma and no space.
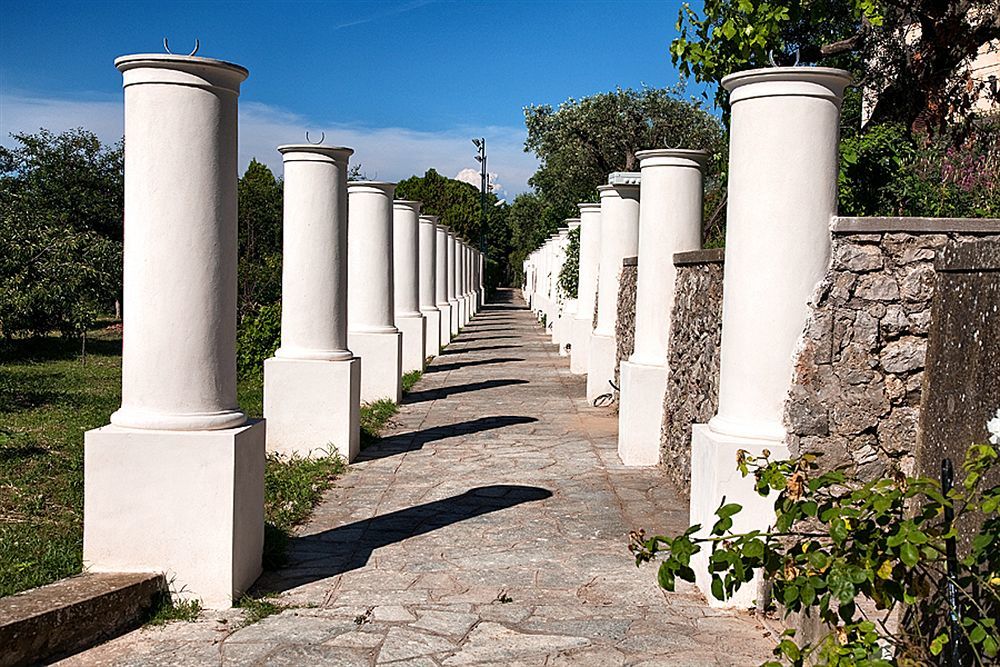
490,528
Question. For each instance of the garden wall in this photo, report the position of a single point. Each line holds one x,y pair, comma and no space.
625,324
859,368
692,394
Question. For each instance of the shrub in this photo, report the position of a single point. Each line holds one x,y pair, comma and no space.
569,275
258,337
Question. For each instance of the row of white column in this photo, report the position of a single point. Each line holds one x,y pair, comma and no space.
370,289
782,184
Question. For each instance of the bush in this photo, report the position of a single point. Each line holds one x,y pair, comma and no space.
569,275
258,337
836,540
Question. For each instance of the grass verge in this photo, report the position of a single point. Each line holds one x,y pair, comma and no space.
375,416
410,379
175,610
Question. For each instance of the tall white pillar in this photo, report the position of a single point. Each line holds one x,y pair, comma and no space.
470,299
782,195
371,333
670,211
586,291
312,384
558,298
456,307
619,239
482,279
441,285
460,292
406,284
428,284
175,483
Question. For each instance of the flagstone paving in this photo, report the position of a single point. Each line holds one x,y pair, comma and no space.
489,528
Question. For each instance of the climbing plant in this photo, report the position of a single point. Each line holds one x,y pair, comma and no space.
836,541
569,275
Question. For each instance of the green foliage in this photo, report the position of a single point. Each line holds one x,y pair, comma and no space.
292,487
61,199
260,211
375,416
258,608
257,338
410,379
48,399
171,610
569,274
836,540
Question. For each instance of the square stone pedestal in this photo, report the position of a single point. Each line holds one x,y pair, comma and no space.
189,504
580,331
445,310
311,406
381,364
601,366
414,330
714,475
640,413
470,307
482,297
432,340
456,316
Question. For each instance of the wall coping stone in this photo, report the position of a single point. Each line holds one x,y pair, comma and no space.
72,614
973,257
630,261
845,225
707,256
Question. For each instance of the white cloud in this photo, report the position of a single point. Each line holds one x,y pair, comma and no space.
474,177
386,153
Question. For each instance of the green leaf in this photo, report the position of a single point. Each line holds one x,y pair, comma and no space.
728,510
665,576
717,591
938,644
909,554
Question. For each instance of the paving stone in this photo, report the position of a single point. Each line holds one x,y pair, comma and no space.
403,643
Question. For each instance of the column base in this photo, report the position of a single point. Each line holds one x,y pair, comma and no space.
482,296
381,364
312,406
445,310
581,331
414,330
456,316
714,476
432,342
470,307
186,503
640,413
600,366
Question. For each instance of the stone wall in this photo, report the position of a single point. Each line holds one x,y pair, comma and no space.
695,336
625,324
859,366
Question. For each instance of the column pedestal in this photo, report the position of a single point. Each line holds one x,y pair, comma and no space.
414,330
432,342
187,503
580,350
641,413
714,476
456,316
382,364
446,321
312,406
601,366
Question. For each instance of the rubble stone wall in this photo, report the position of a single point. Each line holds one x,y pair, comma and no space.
625,323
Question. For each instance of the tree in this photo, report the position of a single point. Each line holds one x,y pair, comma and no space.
911,55
61,208
260,211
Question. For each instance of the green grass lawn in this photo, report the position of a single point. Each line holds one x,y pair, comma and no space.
49,396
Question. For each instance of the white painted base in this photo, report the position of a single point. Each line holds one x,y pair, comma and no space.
186,503
312,406
580,331
470,307
714,476
432,341
381,364
445,310
414,330
640,413
482,297
463,311
600,366
456,316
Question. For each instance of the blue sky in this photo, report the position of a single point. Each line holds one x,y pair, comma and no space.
406,84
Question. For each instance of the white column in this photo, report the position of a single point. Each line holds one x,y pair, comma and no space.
371,333
670,213
175,483
456,307
619,239
460,292
558,298
782,195
482,279
583,319
428,284
312,384
441,285
406,284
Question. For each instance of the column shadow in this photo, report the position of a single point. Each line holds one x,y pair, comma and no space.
444,392
483,348
438,368
412,441
348,547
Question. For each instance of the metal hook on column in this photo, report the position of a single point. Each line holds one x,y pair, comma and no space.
166,47
798,56
322,138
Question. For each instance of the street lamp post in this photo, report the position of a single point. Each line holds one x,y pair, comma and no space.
484,180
